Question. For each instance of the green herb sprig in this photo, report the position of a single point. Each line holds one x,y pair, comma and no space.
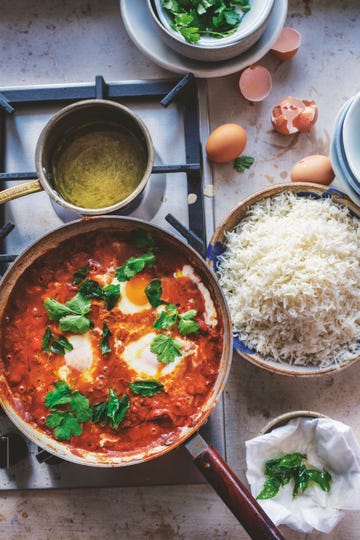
72,315
58,345
112,411
243,162
146,387
170,315
282,470
68,410
166,348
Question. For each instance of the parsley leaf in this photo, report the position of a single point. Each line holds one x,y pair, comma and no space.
243,162
146,387
91,289
186,324
61,344
133,266
112,411
80,274
153,292
166,348
143,239
76,324
104,343
46,340
280,471
72,315
111,294
166,318
68,409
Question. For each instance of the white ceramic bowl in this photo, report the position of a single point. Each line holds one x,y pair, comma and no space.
342,147
217,247
211,49
351,136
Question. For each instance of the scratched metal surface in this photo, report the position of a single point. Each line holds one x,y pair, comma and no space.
35,48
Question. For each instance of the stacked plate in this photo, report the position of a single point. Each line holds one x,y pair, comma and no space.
345,149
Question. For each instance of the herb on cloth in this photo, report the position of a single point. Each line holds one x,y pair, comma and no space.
213,18
243,162
280,471
111,411
71,315
166,348
146,387
68,410
133,266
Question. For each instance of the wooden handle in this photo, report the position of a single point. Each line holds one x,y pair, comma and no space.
236,496
19,191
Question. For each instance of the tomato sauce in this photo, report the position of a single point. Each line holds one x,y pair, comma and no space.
31,371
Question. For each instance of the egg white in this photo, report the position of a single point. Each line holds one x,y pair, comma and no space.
210,315
139,357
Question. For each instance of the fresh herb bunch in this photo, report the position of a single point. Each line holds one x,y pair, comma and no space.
280,471
214,18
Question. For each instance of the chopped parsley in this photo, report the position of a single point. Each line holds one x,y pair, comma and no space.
72,315
166,348
112,411
104,342
68,410
214,18
80,274
153,292
170,315
57,345
133,266
146,387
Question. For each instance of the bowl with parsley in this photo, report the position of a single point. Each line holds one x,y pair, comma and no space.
210,30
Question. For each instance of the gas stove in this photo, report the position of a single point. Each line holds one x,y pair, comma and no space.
178,198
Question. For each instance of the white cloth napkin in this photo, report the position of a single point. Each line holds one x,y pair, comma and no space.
327,443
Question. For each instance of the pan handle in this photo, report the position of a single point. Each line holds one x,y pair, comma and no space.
232,491
20,190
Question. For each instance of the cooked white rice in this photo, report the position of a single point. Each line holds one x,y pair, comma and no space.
291,276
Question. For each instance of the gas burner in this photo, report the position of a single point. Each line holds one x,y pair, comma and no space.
174,201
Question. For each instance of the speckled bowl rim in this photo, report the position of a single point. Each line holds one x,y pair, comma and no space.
215,248
285,418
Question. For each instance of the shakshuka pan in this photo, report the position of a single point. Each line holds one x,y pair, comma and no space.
111,342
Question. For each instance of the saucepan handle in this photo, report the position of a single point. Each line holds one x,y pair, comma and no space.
20,190
232,491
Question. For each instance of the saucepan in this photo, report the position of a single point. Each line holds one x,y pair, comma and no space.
93,157
207,459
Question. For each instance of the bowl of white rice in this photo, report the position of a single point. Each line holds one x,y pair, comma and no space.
288,261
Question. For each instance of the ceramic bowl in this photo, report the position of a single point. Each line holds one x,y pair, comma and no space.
217,247
211,49
343,147
351,136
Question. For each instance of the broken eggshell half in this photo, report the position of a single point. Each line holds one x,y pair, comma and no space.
287,44
255,83
291,115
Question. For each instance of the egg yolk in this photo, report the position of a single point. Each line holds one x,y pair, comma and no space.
135,289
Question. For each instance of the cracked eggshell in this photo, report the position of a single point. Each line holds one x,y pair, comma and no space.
287,44
291,115
255,83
